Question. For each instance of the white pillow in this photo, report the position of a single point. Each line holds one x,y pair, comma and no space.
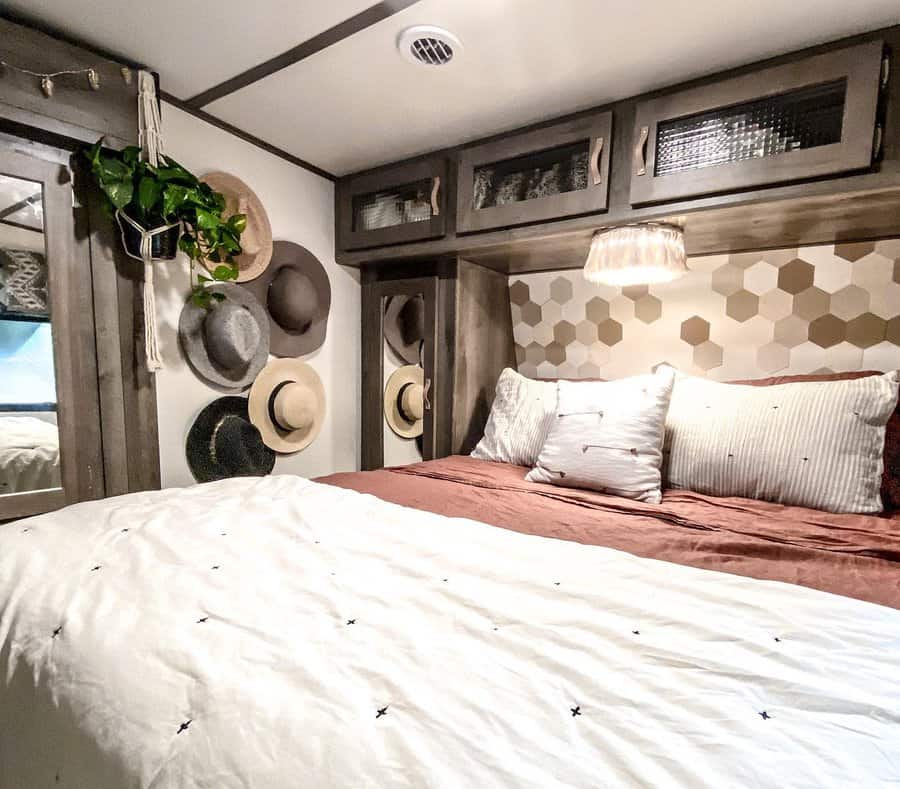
815,444
518,421
608,436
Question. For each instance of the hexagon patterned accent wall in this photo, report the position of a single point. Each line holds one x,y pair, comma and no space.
756,314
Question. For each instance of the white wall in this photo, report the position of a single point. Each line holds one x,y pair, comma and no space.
300,206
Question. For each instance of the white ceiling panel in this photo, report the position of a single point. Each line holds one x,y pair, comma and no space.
193,44
358,104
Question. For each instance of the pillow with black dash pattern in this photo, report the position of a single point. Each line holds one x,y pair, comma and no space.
608,436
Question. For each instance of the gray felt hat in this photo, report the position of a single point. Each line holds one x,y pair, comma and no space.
297,294
228,344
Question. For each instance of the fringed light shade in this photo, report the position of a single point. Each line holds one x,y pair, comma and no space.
636,255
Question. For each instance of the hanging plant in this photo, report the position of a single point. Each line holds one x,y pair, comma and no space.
161,206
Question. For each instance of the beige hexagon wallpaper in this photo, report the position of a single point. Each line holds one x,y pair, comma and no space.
748,315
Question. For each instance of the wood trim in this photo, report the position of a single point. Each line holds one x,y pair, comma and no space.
590,200
327,38
212,120
860,65
348,238
33,502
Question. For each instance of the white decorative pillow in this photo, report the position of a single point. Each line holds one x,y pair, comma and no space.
608,436
519,419
814,444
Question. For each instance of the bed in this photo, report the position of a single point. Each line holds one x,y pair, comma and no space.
29,454
445,625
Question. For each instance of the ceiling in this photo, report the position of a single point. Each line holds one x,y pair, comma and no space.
357,103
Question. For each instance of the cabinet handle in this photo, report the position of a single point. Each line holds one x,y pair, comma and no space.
425,398
435,189
640,152
595,161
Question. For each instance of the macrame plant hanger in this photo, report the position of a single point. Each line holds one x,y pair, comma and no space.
150,141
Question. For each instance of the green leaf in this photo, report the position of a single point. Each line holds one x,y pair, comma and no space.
120,194
225,273
218,296
131,155
206,220
148,194
237,223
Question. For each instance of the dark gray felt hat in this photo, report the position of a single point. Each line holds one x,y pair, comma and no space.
404,326
223,442
227,344
297,295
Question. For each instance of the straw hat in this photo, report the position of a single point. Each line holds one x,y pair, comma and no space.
222,443
228,344
256,240
404,326
297,294
287,404
404,401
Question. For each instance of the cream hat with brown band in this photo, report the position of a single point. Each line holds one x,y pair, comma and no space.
404,401
287,404
256,240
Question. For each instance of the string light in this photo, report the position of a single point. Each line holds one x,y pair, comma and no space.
47,83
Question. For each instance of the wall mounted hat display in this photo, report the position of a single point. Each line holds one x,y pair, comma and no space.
223,442
287,404
405,399
256,240
404,326
226,344
297,294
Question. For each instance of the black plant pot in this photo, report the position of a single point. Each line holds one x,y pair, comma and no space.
163,241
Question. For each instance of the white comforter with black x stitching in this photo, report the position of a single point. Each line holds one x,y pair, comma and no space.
280,633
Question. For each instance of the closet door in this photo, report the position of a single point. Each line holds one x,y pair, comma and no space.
50,439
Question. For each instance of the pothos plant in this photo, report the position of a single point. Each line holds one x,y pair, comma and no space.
169,194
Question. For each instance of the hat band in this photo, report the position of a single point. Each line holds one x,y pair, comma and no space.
400,409
273,396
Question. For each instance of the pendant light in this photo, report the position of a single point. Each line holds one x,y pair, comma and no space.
636,255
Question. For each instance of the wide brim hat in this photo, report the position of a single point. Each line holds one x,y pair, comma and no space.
404,326
227,344
404,401
256,240
223,443
287,405
297,296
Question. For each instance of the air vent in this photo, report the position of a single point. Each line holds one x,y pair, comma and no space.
428,45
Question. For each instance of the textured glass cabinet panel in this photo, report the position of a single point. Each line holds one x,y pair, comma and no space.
392,207
544,173
799,119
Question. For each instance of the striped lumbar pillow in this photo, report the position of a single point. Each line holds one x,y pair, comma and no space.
518,421
816,444
608,436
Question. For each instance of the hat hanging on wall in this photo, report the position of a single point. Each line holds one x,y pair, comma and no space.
287,404
297,294
228,344
405,397
222,443
256,240
404,326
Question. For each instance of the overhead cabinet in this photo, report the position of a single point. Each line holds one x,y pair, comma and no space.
393,206
811,118
556,171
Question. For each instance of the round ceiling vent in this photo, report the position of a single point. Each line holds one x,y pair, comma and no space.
428,45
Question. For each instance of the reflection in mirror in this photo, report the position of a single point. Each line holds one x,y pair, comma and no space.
29,440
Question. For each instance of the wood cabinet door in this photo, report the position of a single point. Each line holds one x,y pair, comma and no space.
556,171
811,118
393,206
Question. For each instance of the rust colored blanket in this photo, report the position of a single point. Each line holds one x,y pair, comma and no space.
852,555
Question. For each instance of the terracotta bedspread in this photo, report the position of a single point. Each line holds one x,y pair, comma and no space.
852,555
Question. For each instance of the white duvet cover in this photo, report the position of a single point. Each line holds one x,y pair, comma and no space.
29,454
280,633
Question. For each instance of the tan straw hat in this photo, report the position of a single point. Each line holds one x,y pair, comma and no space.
287,405
404,401
256,240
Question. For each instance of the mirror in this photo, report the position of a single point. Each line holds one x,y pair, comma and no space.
29,438
403,384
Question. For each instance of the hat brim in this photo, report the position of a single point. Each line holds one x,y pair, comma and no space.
200,457
274,373
282,341
403,427
408,351
250,265
190,333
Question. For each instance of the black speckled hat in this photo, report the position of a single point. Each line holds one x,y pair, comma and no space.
223,442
